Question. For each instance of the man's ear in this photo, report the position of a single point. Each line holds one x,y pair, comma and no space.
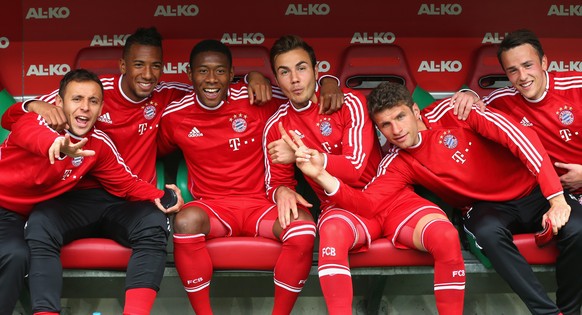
416,111
122,65
545,63
59,101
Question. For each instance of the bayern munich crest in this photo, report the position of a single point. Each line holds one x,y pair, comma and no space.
449,140
77,161
239,123
325,127
566,115
149,112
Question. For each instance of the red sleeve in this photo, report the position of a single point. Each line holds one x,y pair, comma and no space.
522,142
33,134
393,178
357,143
14,112
115,176
276,175
165,137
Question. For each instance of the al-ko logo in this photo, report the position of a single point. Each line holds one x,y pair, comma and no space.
46,70
565,10
177,68
373,38
308,9
493,38
440,66
4,42
440,9
48,13
565,66
243,39
106,40
178,10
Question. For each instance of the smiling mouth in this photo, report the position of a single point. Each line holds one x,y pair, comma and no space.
211,93
82,121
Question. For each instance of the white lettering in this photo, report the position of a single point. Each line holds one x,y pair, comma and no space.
42,70
493,38
49,13
328,251
66,174
326,146
104,40
458,273
375,38
179,10
245,39
310,9
181,67
442,9
565,66
565,10
442,66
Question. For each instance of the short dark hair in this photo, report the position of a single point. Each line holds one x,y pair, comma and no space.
388,95
210,45
518,38
143,36
78,75
287,43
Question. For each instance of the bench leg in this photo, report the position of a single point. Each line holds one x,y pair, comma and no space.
374,294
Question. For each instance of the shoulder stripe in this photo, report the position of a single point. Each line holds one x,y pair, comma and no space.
357,113
175,106
98,134
271,123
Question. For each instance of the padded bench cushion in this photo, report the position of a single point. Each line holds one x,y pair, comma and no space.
526,245
383,253
247,253
95,253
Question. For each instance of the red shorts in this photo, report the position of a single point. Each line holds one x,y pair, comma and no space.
240,216
408,207
365,230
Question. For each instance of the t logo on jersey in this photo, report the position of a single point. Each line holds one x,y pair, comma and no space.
66,174
141,128
459,157
234,143
566,134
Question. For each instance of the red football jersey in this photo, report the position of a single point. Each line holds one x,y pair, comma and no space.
29,178
222,145
347,137
556,116
131,125
488,157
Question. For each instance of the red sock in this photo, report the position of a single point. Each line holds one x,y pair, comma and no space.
45,313
139,301
440,238
195,269
293,265
335,239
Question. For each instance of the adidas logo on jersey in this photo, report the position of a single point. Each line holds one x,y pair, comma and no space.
105,118
525,122
195,133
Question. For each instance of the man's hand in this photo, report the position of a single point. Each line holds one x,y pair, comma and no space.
259,88
287,200
64,145
177,207
332,96
559,213
462,103
572,180
53,115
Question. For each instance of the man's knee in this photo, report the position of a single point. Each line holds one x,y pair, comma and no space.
153,229
15,256
192,220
